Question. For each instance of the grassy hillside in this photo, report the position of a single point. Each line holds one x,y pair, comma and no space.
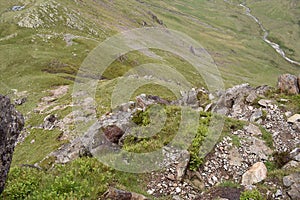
231,37
44,44
64,32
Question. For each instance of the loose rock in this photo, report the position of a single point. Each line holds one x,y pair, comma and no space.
256,174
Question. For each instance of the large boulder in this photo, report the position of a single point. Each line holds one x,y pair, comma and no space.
256,174
288,83
11,124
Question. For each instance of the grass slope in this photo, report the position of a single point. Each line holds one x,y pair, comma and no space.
36,59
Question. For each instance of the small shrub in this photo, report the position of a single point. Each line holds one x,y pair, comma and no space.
251,195
195,159
141,118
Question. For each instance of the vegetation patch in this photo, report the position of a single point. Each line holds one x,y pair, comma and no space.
267,137
251,194
83,178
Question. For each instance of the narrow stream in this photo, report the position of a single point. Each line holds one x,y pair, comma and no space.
266,34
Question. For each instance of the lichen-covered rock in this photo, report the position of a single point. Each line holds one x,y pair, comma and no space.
11,124
288,83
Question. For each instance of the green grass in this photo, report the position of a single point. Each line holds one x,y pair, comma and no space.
135,144
83,178
267,137
229,184
45,143
251,194
282,21
31,63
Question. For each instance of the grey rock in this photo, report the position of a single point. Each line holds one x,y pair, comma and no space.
222,111
291,179
291,164
49,122
264,102
259,148
208,107
256,115
278,193
143,101
294,192
177,197
297,157
182,165
189,98
251,97
253,130
233,98
295,153
11,124
235,158
211,97
20,101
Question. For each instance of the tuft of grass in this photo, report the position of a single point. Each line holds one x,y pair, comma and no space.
36,146
229,184
236,140
267,137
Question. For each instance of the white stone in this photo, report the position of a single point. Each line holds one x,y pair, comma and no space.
151,191
178,190
295,118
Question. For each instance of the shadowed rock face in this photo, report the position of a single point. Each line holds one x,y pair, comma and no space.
11,124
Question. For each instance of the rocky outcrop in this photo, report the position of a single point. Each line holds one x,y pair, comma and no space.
11,124
265,126
289,84
234,100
